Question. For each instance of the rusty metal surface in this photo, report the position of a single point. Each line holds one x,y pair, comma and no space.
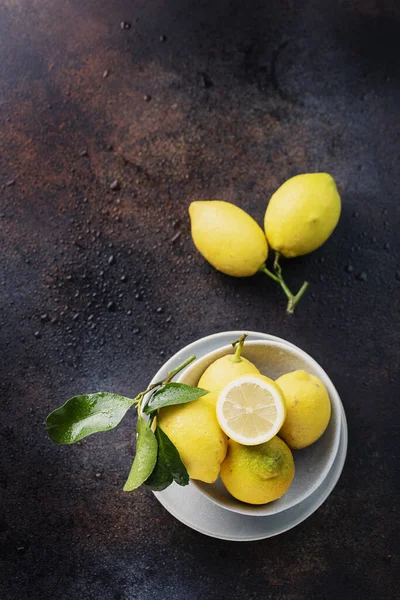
221,99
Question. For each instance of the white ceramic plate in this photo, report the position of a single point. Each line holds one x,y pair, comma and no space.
193,509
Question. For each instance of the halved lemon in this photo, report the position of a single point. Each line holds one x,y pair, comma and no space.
251,409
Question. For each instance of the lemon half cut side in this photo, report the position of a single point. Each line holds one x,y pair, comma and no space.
251,409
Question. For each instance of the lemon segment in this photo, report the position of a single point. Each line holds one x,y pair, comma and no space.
251,409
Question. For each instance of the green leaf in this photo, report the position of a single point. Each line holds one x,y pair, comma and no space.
169,465
146,456
171,394
170,456
161,476
83,415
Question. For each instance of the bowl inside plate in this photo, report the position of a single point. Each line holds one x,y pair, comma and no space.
312,464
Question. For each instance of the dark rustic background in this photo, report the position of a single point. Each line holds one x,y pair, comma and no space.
188,100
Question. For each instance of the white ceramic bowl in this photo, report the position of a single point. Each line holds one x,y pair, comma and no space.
312,464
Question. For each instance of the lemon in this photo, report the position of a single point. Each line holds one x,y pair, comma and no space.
258,474
302,214
308,408
228,238
227,368
211,399
251,409
223,371
194,430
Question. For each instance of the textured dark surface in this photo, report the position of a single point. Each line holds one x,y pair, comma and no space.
236,98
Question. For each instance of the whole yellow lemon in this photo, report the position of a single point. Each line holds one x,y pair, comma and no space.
224,370
193,428
302,214
228,238
308,408
258,474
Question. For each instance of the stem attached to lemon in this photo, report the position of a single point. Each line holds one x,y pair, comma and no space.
293,300
296,299
237,357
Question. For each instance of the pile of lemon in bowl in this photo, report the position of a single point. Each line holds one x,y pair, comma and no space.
244,429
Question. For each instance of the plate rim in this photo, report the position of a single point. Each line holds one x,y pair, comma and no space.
341,451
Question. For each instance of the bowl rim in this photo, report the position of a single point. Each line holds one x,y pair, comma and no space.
248,509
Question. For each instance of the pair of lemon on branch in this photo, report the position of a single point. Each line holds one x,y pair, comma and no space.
300,217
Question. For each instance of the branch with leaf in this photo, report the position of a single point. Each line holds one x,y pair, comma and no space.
157,462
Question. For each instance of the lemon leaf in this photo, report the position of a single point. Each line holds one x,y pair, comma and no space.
145,458
161,476
171,394
168,458
83,415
